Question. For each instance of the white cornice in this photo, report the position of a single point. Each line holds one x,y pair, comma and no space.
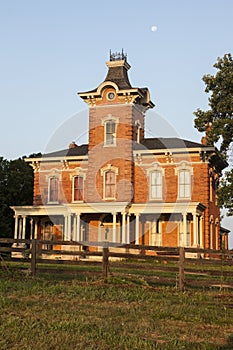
118,63
184,150
166,208
110,207
55,159
70,208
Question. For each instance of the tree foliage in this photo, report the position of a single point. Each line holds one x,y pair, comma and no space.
225,192
217,121
16,188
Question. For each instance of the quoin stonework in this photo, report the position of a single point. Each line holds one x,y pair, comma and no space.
122,187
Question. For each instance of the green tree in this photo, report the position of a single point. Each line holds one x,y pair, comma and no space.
217,122
225,192
4,209
16,188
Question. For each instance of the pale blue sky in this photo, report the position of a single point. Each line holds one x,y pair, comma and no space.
51,49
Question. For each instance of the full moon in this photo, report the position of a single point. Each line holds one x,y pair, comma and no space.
154,28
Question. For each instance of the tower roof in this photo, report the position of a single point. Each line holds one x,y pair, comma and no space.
118,73
117,78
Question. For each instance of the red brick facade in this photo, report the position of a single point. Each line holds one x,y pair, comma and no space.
159,191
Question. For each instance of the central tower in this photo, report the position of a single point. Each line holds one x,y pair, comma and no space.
116,123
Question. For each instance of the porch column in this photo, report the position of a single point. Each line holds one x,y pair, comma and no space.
36,229
16,227
74,228
114,238
216,234
20,227
211,233
123,228
184,241
78,238
65,227
201,231
69,227
128,229
194,229
198,230
31,228
137,228
24,227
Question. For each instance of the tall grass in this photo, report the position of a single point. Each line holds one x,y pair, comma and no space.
56,312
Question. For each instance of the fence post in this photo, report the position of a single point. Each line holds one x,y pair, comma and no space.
33,257
105,264
181,268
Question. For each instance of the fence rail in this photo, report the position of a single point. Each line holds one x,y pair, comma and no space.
34,252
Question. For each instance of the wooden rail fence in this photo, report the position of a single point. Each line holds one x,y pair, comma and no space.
34,251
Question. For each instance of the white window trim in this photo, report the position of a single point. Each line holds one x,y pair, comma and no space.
154,168
104,170
184,166
73,178
78,172
58,189
54,173
105,120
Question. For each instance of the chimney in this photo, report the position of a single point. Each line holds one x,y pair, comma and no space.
204,139
72,145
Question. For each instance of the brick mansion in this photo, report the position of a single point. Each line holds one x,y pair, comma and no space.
122,187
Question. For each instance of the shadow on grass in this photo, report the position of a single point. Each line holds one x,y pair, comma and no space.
229,344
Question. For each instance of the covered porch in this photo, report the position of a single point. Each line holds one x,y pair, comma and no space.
158,224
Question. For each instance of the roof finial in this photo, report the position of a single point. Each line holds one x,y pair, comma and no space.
116,56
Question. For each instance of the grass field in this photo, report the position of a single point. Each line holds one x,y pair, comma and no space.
75,311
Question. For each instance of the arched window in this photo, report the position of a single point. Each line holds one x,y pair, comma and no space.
53,189
78,188
110,129
156,184
110,132
155,179
110,184
184,171
184,184
109,174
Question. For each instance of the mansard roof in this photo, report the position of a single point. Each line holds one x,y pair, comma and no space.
117,77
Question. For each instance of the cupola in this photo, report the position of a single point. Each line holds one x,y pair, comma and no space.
116,87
